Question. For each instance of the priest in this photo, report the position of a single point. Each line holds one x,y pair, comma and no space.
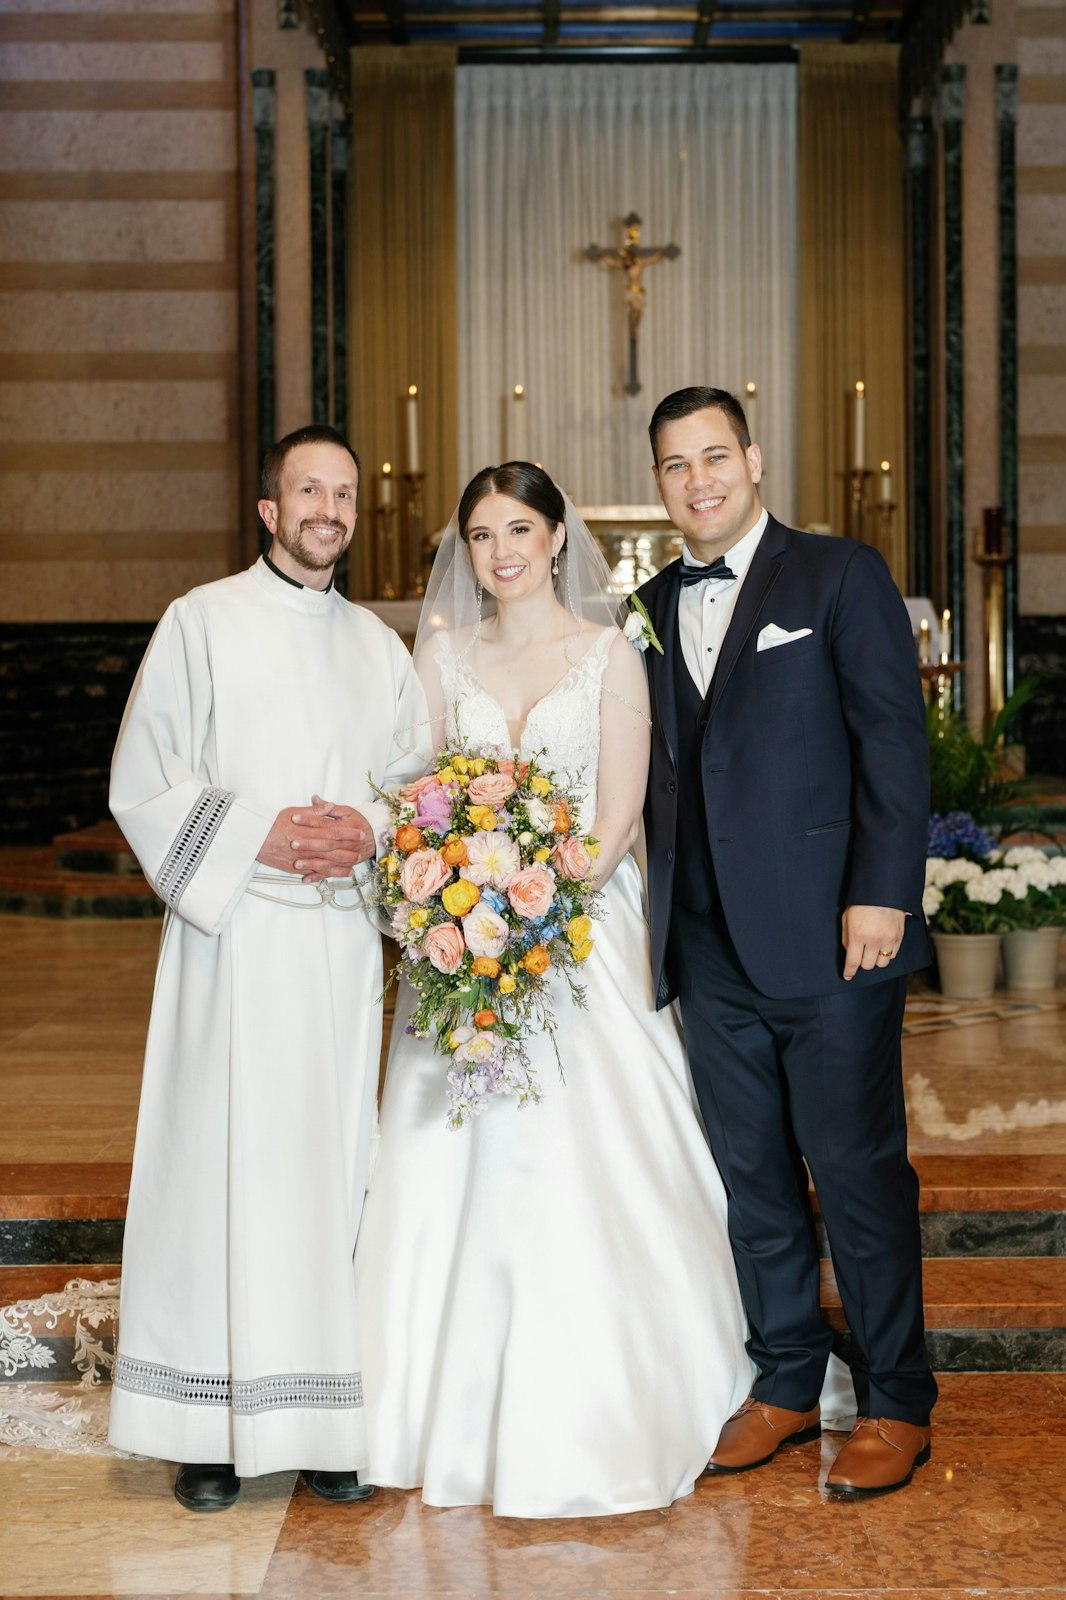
240,779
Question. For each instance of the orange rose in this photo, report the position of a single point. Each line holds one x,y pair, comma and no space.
409,838
537,960
455,853
561,823
486,967
484,1019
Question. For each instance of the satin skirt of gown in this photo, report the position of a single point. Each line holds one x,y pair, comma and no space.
549,1310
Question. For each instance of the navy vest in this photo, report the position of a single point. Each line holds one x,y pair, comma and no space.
694,881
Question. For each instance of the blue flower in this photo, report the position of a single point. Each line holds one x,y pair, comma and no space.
958,834
495,900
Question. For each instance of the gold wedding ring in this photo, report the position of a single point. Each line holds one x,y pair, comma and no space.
887,953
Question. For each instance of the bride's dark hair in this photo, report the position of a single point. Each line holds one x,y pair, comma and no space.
522,481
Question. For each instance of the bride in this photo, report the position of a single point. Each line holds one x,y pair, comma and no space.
547,1298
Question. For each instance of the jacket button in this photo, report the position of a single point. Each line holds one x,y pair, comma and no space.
672,787
669,855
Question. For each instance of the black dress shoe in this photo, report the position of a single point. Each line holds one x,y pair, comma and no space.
213,1488
338,1485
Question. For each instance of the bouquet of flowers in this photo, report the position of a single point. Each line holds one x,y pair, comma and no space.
487,886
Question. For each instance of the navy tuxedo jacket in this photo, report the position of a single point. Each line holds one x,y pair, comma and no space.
815,764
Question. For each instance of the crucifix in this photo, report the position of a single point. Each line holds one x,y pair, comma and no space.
631,258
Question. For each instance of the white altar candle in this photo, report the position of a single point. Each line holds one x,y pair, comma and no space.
751,395
945,638
858,434
516,425
413,463
886,483
385,484
924,653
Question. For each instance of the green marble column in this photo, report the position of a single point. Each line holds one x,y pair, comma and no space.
318,139
1006,126
919,216
263,119
952,86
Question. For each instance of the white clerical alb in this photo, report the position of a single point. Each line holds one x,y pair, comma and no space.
238,1337
704,610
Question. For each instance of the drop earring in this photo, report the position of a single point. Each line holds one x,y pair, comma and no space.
555,565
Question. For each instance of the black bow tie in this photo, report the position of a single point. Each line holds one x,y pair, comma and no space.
717,569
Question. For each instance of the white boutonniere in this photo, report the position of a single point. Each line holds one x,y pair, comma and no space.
638,629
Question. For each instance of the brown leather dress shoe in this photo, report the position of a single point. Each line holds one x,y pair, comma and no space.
880,1455
755,1433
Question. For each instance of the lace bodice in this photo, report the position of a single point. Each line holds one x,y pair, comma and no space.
563,726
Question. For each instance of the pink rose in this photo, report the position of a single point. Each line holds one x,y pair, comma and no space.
491,790
411,791
422,874
531,891
485,931
513,769
572,858
444,946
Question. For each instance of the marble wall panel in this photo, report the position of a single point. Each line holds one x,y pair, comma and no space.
1038,56
1042,592
1042,494
124,502
148,320
1042,225
118,141
1042,314
1043,406
200,61
1041,135
83,591
95,413
112,230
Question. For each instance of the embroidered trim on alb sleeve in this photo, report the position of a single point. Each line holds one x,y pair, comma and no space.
191,844
247,1397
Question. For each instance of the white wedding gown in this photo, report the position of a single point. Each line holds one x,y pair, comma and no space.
547,1301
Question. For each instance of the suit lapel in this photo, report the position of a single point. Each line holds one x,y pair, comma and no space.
763,573
661,668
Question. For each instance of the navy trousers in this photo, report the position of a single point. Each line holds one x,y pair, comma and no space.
819,1081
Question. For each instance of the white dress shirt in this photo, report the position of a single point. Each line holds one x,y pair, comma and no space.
704,610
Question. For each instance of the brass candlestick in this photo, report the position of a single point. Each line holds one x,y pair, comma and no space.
855,512
993,564
885,511
387,575
414,534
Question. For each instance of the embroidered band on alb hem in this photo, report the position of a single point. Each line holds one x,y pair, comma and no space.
191,844
247,1397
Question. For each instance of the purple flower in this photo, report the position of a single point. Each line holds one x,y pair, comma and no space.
958,834
434,810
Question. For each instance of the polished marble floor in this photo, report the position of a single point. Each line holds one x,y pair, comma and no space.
987,1516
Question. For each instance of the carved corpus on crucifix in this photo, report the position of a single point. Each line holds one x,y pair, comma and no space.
631,258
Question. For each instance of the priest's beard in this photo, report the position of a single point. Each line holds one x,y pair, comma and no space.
305,549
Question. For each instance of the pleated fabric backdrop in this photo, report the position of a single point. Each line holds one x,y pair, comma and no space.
852,279
550,159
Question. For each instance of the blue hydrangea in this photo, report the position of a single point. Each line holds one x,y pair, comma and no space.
958,834
491,898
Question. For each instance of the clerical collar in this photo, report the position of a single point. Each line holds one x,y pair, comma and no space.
284,576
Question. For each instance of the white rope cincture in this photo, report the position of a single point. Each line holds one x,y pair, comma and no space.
326,892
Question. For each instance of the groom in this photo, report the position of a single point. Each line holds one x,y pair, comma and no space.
786,824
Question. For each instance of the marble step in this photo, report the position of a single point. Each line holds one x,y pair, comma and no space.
34,884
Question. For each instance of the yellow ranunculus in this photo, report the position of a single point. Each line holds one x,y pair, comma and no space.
578,929
593,847
476,767
537,960
392,866
583,950
460,764
482,817
447,775
540,785
419,917
486,967
460,897
543,853
507,984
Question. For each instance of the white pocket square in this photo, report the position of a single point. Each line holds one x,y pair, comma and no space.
771,636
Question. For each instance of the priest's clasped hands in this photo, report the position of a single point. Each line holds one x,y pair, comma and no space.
323,840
